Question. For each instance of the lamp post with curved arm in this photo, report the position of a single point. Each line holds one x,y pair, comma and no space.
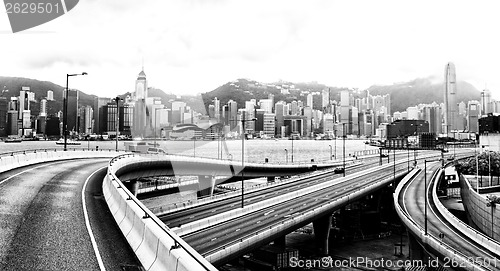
65,108
117,99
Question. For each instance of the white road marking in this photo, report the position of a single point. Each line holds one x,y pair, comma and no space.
268,212
17,174
87,223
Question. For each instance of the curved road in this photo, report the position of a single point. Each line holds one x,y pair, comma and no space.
412,200
43,224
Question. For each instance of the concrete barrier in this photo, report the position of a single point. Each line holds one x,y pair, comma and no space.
155,245
9,161
442,248
477,236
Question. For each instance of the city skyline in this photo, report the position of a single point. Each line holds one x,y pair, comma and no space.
193,47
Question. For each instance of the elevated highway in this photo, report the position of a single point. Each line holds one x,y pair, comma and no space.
438,236
223,230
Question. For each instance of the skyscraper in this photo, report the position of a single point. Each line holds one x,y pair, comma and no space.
450,104
140,116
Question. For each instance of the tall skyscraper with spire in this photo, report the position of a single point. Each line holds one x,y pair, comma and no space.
140,115
450,103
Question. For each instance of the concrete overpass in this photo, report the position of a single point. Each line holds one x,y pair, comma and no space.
210,172
327,195
437,236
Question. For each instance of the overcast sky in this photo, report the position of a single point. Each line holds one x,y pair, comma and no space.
194,46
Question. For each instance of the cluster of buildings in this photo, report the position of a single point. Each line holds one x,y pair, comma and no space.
134,116
138,115
357,113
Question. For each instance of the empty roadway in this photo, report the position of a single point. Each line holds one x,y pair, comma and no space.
412,200
42,221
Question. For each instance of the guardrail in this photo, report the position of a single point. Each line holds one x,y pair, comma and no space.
235,193
453,255
222,217
11,160
479,237
156,246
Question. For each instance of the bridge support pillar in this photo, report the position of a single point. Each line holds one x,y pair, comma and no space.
416,250
132,186
206,185
280,241
322,232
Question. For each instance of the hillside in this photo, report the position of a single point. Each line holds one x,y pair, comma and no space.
40,88
423,90
403,95
14,86
243,90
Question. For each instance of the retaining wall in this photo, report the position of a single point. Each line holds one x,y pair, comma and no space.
480,214
9,161
155,245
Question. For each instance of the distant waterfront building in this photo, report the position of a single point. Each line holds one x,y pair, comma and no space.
279,111
266,105
397,115
310,100
99,126
232,109
269,124
217,114
486,102
473,113
325,98
432,114
140,127
3,116
412,113
43,108
450,104
50,95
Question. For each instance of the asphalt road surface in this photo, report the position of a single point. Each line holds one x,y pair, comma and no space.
42,219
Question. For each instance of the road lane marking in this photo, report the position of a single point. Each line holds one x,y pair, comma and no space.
268,212
17,174
87,223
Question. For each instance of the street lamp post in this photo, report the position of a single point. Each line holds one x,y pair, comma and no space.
156,117
243,121
286,155
88,137
335,144
194,144
408,151
65,108
425,196
477,168
292,146
343,148
330,151
117,99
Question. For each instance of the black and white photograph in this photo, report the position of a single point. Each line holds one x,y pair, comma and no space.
238,135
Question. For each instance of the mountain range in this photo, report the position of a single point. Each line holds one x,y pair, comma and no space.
403,95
